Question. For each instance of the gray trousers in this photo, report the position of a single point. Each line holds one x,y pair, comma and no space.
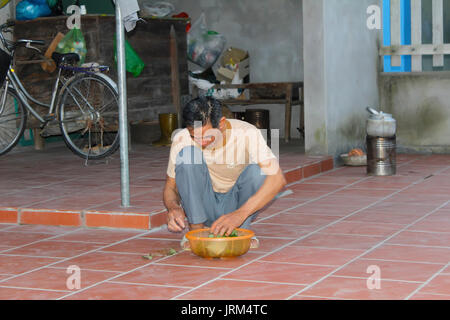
198,199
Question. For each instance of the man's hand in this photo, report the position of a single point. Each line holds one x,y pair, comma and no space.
227,223
175,220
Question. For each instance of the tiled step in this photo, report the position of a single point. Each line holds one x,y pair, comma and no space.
112,215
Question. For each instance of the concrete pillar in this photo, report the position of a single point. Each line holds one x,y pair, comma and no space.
341,67
316,140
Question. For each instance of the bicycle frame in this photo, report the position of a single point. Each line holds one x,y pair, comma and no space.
13,81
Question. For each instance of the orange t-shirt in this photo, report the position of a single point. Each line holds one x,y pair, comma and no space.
245,145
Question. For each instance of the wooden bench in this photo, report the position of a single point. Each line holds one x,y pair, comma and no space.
287,93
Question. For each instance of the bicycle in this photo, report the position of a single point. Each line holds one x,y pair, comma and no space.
84,101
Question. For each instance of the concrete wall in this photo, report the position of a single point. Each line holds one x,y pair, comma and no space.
271,30
7,12
341,73
419,103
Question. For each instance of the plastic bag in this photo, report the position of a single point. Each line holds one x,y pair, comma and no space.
73,42
56,6
134,63
204,46
32,9
157,9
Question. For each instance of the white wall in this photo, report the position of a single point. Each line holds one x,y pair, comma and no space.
341,73
7,12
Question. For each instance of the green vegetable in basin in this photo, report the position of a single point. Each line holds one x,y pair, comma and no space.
233,234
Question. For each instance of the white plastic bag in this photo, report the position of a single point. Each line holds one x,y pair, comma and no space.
204,46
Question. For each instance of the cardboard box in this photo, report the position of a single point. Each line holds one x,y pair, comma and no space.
234,56
244,68
224,74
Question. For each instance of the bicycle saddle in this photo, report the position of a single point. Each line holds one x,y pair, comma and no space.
65,58
29,42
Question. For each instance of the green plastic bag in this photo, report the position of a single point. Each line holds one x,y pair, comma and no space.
134,63
73,42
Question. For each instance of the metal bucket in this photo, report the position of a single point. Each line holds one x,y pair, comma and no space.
260,118
381,156
239,115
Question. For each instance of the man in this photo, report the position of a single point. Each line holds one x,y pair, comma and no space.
220,171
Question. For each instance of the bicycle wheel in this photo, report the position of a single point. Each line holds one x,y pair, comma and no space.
89,116
12,120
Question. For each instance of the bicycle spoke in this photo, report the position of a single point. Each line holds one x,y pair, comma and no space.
12,121
94,133
104,106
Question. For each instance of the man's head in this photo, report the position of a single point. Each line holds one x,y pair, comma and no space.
203,118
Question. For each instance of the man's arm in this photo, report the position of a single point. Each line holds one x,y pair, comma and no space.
175,215
273,184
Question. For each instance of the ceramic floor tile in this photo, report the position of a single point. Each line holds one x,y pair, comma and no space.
431,225
315,208
56,279
286,273
410,253
144,246
99,235
11,238
364,192
6,226
388,206
363,228
53,230
301,219
429,296
309,298
169,275
351,288
120,291
391,270
383,217
187,258
28,294
280,231
107,261
55,249
310,255
438,285
422,238
270,244
164,234
12,264
229,289
340,241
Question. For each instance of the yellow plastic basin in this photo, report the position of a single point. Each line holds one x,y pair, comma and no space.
223,247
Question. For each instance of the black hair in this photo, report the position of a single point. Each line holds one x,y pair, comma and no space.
203,109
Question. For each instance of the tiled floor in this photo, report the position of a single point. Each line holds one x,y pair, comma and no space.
328,240
55,187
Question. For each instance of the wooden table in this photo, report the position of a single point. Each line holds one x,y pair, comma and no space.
287,93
